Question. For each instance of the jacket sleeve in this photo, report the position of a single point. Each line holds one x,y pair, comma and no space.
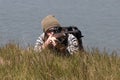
73,45
39,43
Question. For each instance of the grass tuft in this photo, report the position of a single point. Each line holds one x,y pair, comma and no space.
25,64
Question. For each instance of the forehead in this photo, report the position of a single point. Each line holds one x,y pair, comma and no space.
50,29
53,28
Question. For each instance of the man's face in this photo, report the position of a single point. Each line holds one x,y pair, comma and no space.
50,31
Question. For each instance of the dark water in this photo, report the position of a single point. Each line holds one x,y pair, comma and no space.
99,20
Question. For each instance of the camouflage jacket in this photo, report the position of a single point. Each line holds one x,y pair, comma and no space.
71,47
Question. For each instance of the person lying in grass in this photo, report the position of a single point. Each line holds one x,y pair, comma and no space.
64,43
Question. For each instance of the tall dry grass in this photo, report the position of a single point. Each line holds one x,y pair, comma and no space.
17,63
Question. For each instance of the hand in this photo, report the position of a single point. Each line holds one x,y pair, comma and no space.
51,40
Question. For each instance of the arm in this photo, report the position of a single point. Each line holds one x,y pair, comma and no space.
39,43
73,45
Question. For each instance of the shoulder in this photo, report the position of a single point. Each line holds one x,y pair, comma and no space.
42,35
71,36
72,39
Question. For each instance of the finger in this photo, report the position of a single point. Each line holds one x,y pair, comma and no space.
53,38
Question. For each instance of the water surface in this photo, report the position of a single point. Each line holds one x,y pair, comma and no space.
99,20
